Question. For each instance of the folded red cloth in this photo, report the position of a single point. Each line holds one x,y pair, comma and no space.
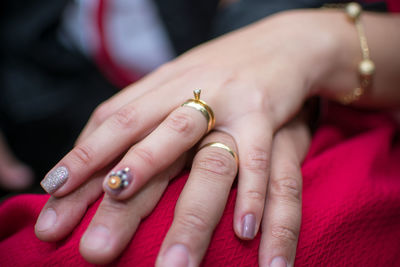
351,208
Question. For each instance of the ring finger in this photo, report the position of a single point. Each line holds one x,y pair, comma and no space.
201,203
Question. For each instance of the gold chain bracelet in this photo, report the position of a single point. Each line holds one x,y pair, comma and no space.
366,68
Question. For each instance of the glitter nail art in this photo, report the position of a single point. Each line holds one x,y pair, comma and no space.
55,179
119,180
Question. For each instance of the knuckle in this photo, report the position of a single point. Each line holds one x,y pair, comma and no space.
181,123
82,154
193,221
146,155
284,234
216,163
125,117
101,113
288,187
256,160
259,99
256,196
111,206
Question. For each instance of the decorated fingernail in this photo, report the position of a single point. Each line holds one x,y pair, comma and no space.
55,179
118,180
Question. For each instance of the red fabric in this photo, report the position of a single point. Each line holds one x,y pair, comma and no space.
351,208
351,205
393,5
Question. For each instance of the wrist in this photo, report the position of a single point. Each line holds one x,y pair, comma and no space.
339,55
327,49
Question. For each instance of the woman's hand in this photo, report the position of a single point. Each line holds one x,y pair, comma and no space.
198,210
204,196
254,79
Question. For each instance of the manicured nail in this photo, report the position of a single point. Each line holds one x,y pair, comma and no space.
46,220
96,238
278,262
249,226
118,180
176,256
55,179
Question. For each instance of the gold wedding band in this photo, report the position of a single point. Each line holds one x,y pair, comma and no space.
223,146
201,106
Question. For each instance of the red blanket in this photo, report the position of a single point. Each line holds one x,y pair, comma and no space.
351,208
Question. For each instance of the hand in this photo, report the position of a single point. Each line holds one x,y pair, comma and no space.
244,76
256,78
14,175
204,196
198,209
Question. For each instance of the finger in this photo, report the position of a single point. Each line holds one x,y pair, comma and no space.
14,175
109,140
132,92
115,221
61,215
159,78
254,141
200,205
282,216
180,131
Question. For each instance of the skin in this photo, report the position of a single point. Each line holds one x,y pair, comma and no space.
255,78
290,146
14,175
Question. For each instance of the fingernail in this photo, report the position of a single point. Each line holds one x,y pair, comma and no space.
249,226
55,179
278,262
176,256
46,220
118,180
96,238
